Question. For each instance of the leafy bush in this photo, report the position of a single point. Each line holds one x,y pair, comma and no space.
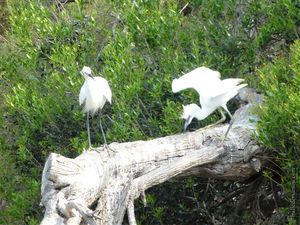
39,74
279,125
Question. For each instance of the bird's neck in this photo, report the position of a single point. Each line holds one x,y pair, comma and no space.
202,113
86,77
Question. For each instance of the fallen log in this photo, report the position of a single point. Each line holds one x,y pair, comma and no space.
100,185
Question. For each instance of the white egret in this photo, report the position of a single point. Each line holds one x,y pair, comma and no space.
214,93
94,93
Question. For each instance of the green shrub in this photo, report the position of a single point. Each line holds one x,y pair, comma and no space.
40,75
279,125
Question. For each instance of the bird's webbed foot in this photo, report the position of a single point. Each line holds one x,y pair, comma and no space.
108,148
91,148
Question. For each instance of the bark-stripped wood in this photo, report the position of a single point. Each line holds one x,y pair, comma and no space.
111,182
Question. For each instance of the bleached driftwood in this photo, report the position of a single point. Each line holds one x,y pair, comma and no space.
98,187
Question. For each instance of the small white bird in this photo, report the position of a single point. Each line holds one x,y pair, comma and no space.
214,93
94,93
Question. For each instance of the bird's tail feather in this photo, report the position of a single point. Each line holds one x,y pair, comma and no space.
240,86
228,86
233,92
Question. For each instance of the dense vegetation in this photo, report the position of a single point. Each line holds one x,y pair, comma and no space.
140,46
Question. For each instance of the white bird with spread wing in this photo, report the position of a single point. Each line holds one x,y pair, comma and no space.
94,93
214,93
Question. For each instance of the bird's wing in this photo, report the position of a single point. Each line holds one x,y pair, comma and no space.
210,72
226,86
201,79
82,94
105,89
229,93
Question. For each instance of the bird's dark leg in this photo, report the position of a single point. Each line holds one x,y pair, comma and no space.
227,131
218,122
102,131
225,107
222,119
88,128
103,134
230,124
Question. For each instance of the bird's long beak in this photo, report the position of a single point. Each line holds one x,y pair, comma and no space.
91,75
186,124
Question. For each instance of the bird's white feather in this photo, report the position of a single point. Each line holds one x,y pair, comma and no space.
82,95
225,86
200,79
94,93
106,91
189,110
225,97
86,70
206,82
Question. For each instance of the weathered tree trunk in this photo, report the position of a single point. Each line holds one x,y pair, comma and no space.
109,181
